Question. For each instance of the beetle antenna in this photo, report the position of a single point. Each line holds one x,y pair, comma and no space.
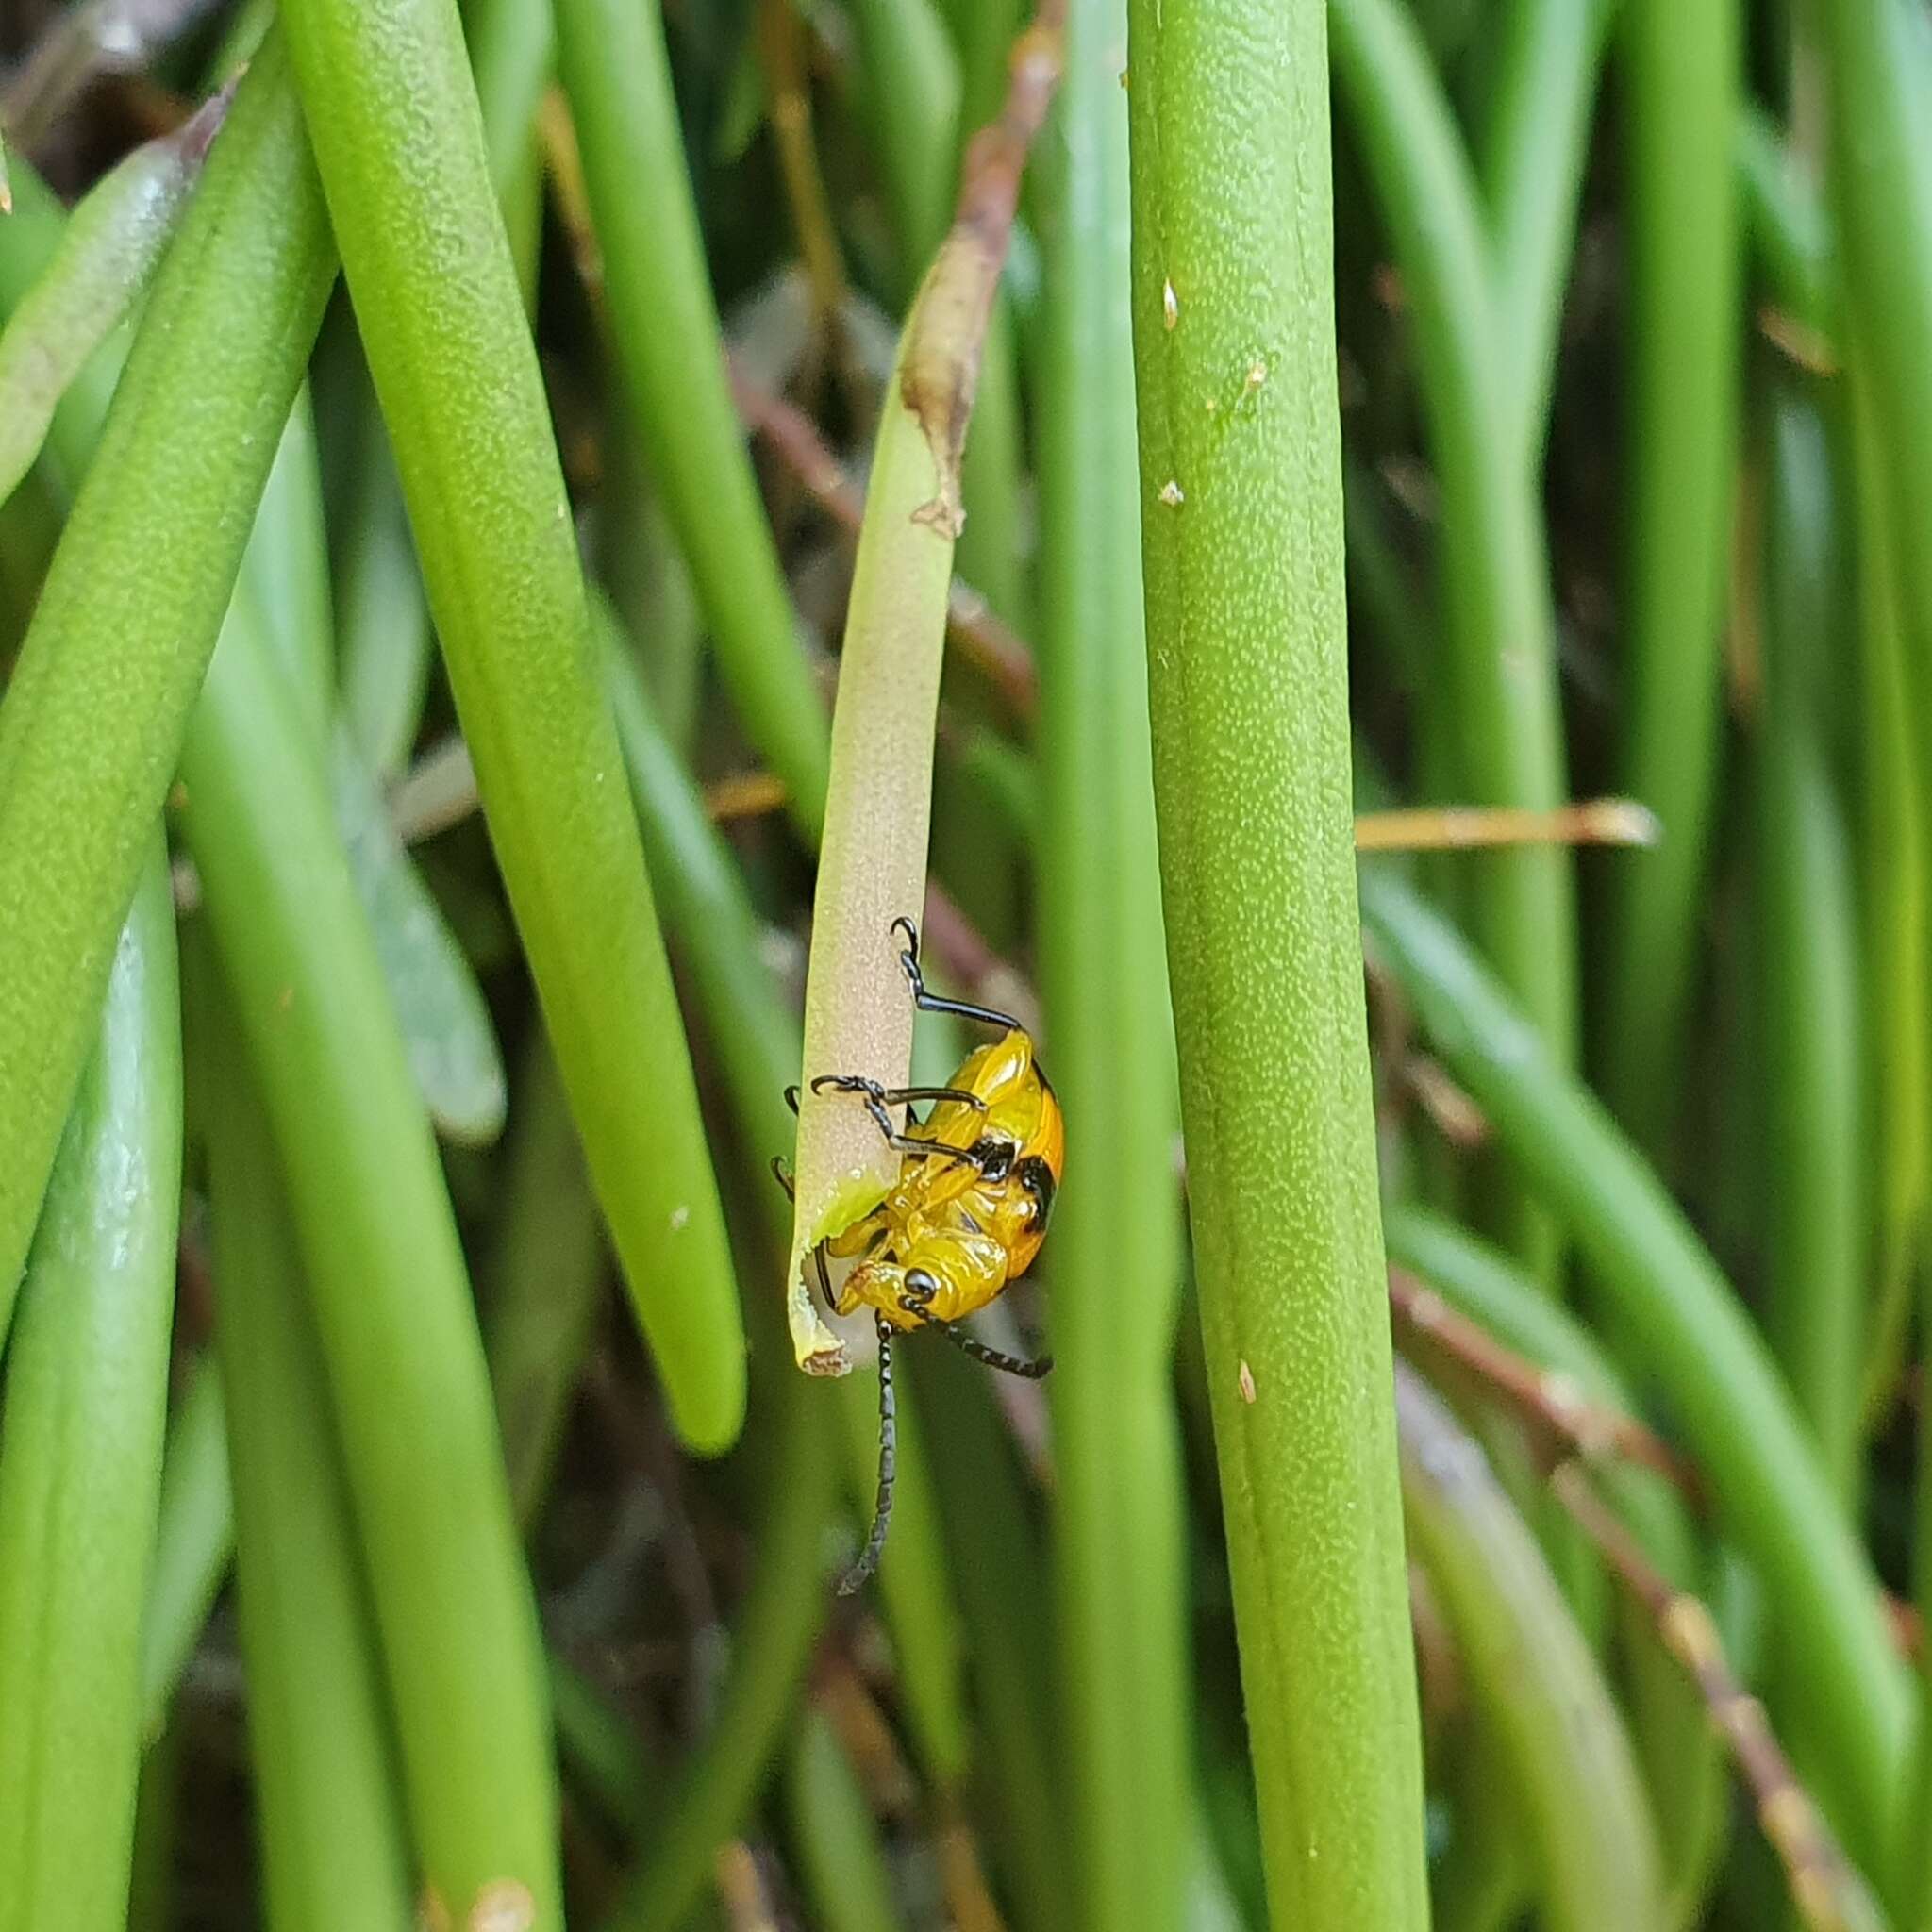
855,1579
992,1357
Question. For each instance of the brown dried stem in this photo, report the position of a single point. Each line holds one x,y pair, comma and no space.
1549,1402
939,368
1830,1894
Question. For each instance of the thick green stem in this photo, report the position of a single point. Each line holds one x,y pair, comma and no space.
1680,65
400,143
1116,1260
80,1452
1242,518
871,866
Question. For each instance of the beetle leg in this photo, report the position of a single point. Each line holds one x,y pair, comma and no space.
782,1174
854,1579
1011,1364
930,1002
898,1096
876,1098
818,1254
792,1096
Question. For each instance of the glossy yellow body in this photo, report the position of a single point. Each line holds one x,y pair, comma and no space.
953,1233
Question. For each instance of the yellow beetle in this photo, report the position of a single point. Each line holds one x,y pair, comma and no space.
966,1216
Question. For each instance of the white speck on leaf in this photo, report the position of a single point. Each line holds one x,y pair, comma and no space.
1172,495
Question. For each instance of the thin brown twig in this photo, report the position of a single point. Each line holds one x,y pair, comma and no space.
1478,828
867,1739
563,162
1551,1403
1830,1894
741,1889
962,1871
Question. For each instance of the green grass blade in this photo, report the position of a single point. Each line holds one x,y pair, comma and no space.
92,721
1681,74
1583,1815
1880,88
194,1538
1816,1191
1682,1759
842,1864
541,1280
1534,143
80,1452
1699,1347
334,1842
107,253
382,625
391,1299
1497,675
1114,1265
285,567
400,144
284,591
1895,890
1001,1562
1241,511
671,357
1792,240
909,78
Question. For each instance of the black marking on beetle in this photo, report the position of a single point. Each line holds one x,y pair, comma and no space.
1037,1178
993,1154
